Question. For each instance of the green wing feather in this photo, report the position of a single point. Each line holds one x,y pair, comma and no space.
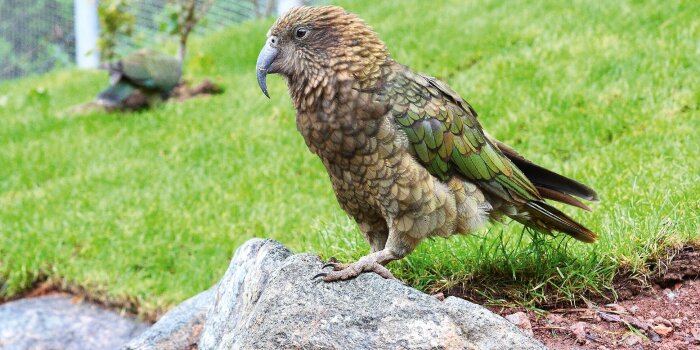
446,137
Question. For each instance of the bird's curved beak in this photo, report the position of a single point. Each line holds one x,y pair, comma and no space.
265,58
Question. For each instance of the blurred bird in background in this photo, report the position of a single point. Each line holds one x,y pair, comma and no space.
141,79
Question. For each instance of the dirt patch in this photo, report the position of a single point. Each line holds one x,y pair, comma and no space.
684,265
664,316
661,318
676,265
184,91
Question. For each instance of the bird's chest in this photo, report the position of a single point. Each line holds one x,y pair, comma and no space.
340,139
359,155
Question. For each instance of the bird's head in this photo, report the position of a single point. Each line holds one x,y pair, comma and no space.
312,45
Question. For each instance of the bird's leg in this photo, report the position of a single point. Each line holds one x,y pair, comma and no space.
376,233
373,262
396,248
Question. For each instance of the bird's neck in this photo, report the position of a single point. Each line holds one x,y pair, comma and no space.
326,84
337,106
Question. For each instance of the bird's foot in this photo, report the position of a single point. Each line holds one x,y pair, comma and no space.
352,270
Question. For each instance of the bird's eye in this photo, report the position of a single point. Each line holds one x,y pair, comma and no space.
301,33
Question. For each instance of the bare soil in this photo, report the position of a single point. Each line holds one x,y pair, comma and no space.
184,91
665,316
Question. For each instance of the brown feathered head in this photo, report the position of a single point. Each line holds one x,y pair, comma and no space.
312,45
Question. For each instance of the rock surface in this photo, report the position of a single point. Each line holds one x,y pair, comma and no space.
239,290
180,328
55,322
267,300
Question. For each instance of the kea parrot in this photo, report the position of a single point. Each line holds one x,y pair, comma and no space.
140,78
406,154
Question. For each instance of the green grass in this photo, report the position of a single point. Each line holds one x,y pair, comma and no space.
150,206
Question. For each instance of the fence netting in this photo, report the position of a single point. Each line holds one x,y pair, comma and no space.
39,35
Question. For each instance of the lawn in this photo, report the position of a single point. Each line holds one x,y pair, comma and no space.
150,206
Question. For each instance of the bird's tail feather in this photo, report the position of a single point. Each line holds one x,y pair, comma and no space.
550,184
546,218
548,179
116,94
561,197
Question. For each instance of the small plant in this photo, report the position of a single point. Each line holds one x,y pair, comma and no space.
182,17
115,22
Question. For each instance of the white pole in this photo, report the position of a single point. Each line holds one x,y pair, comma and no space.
284,5
86,33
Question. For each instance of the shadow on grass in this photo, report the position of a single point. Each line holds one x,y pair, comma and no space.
537,271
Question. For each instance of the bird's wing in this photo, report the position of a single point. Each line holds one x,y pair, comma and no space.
448,140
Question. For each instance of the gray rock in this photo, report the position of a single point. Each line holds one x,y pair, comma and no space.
179,329
267,300
247,277
54,322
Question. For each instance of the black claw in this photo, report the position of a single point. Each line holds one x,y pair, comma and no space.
320,274
330,264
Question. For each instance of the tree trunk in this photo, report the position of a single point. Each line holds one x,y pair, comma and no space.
186,25
271,5
256,8
182,50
